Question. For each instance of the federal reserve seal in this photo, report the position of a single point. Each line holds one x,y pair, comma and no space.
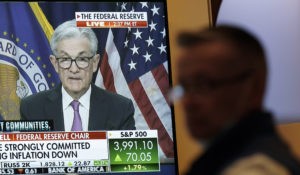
22,73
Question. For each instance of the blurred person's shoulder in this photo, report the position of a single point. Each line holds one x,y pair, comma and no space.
256,164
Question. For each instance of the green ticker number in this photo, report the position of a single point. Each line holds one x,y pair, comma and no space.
136,154
143,157
132,145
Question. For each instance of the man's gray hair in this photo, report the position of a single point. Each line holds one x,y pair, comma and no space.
69,29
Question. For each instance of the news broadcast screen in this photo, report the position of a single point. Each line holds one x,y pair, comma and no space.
108,112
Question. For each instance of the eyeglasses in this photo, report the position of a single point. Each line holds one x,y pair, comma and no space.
81,62
205,86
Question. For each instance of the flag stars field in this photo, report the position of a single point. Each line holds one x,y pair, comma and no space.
126,43
162,48
154,10
138,34
132,65
152,26
134,50
147,57
123,6
150,41
132,10
163,33
144,4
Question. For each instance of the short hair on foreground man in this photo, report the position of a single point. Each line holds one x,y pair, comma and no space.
77,104
222,73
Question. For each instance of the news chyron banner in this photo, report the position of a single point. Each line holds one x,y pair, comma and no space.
79,152
112,19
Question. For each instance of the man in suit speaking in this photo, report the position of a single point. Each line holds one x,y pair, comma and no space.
76,104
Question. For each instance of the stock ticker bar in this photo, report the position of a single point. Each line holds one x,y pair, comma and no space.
55,170
132,151
79,152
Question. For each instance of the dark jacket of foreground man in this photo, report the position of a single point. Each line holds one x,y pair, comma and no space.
253,134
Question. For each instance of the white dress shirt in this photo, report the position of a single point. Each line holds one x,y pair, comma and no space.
84,108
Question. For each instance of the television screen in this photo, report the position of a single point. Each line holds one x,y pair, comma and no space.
134,62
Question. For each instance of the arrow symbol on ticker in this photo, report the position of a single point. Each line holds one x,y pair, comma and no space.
118,158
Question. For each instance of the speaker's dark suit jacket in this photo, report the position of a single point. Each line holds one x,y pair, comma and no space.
108,111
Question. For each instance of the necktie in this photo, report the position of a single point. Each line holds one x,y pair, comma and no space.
77,126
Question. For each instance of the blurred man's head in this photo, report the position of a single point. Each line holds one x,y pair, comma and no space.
75,57
223,74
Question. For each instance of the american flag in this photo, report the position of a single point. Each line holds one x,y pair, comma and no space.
135,65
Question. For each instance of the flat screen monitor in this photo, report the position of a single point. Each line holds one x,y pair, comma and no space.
133,46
